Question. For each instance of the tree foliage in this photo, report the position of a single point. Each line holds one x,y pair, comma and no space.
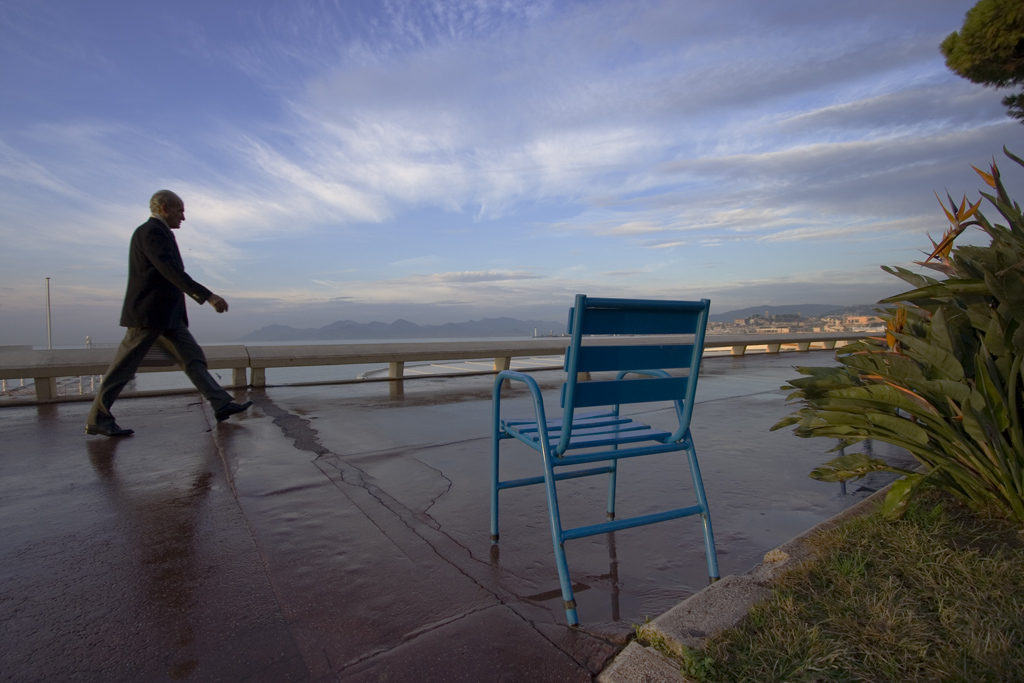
989,48
946,382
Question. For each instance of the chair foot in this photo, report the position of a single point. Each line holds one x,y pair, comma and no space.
494,539
610,517
712,579
570,613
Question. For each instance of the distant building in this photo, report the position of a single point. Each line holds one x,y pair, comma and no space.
865,320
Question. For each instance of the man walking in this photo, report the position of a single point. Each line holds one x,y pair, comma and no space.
154,313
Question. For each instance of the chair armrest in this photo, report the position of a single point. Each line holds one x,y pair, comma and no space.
529,381
538,403
513,374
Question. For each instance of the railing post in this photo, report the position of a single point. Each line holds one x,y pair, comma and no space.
504,363
46,388
739,349
238,378
259,377
396,369
774,348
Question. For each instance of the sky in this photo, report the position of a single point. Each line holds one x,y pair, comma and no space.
451,160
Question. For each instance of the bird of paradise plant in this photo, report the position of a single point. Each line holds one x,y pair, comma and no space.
946,381
958,223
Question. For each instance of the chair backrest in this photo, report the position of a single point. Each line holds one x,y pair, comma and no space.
609,317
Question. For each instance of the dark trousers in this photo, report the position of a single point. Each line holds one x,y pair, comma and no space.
182,347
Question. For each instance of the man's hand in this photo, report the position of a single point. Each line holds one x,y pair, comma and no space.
218,303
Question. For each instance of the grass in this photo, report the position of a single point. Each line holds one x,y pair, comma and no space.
936,596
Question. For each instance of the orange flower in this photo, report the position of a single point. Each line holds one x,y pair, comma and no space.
896,324
941,249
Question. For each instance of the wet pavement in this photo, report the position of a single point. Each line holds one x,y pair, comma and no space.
340,533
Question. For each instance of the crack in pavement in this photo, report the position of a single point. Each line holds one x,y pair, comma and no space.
305,437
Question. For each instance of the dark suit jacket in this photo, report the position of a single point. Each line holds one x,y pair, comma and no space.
157,281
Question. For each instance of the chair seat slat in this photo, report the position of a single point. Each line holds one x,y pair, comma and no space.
527,426
609,435
579,416
603,440
621,428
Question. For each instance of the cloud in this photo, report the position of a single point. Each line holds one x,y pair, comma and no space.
418,261
482,276
328,151
435,129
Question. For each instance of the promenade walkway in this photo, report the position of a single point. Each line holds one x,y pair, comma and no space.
340,533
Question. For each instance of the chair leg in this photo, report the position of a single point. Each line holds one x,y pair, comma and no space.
611,479
563,578
709,538
611,490
556,538
494,487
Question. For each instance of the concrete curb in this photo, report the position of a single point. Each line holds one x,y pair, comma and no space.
639,663
721,605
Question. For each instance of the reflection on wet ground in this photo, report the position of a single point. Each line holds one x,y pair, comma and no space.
341,533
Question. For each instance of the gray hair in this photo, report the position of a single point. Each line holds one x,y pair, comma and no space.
161,199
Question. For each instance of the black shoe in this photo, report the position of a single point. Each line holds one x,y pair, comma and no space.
231,409
108,430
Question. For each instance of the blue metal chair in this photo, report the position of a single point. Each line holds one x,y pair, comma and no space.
606,437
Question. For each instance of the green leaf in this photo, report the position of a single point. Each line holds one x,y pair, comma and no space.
900,493
846,467
1008,287
957,391
981,315
903,370
995,336
973,420
1018,340
991,389
944,362
786,422
913,278
939,333
910,430
944,289
881,398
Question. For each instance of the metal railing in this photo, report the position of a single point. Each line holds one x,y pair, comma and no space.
249,364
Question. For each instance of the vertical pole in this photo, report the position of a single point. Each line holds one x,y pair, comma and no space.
49,336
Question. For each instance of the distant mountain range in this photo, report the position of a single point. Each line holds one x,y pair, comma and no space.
403,329
492,327
806,310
